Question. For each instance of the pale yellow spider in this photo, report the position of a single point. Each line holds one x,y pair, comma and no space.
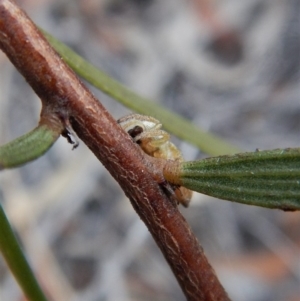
146,131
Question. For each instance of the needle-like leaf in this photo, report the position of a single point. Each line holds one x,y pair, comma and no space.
263,178
15,259
27,147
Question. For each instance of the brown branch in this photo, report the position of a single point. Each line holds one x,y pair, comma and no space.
63,95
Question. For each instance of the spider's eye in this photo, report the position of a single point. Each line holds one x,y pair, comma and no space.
135,131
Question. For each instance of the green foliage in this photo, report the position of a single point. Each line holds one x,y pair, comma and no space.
263,178
17,262
27,147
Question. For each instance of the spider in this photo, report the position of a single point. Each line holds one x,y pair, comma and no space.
146,132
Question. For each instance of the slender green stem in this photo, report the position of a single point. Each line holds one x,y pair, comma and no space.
172,122
17,262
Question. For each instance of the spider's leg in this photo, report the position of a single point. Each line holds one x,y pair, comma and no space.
170,192
183,195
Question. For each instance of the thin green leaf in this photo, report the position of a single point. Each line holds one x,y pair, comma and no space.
264,178
17,262
27,147
172,122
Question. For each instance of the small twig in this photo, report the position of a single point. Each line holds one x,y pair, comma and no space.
65,96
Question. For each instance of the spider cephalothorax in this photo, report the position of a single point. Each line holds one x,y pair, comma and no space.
146,131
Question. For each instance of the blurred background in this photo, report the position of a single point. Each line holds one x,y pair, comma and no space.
233,68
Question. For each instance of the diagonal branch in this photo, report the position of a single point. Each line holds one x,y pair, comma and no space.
66,98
